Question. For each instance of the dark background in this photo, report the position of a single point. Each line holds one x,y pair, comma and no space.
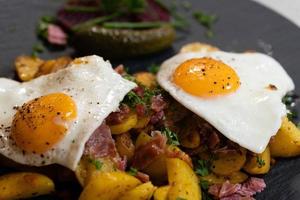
242,25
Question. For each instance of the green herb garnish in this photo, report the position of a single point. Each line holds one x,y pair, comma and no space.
44,22
94,21
204,184
132,25
97,163
260,162
171,136
202,167
132,99
37,49
132,171
153,69
206,20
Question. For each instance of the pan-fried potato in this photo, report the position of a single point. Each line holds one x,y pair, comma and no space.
142,122
191,140
141,192
24,185
197,46
27,67
258,164
125,146
108,186
86,169
146,79
142,139
227,163
286,142
161,193
182,180
51,66
235,177
125,125
157,170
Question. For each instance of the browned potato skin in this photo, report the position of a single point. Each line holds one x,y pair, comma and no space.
253,167
125,145
51,66
286,142
227,163
24,185
27,67
192,140
146,79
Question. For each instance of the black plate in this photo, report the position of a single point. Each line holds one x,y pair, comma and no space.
243,25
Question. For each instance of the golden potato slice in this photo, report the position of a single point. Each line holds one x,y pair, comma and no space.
142,122
182,180
125,125
198,47
286,142
125,146
161,193
24,185
86,168
51,66
142,139
141,192
108,186
192,140
258,164
146,79
227,163
235,177
27,67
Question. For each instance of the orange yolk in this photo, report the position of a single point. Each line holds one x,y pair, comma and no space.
41,123
206,77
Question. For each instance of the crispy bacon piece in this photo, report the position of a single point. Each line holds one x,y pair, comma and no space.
244,191
119,116
140,110
142,177
146,154
158,103
157,117
101,143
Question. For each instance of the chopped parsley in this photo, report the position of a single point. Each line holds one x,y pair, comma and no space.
132,171
37,49
42,28
202,167
206,20
132,99
153,69
290,100
260,162
97,163
171,136
204,184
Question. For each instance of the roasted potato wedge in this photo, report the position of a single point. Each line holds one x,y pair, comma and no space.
108,186
27,67
141,192
24,185
126,125
192,140
161,193
227,163
142,122
125,145
51,66
146,79
142,139
86,169
182,180
235,177
286,142
258,164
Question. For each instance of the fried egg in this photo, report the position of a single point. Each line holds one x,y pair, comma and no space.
49,119
239,94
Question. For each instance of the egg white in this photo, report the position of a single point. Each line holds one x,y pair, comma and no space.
94,86
251,115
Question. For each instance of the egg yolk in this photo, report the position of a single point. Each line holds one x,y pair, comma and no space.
206,77
43,122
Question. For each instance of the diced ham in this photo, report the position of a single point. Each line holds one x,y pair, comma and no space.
139,91
101,143
244,191
56,35
142,177
157,117
146,154
119,116
140,110
158,103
